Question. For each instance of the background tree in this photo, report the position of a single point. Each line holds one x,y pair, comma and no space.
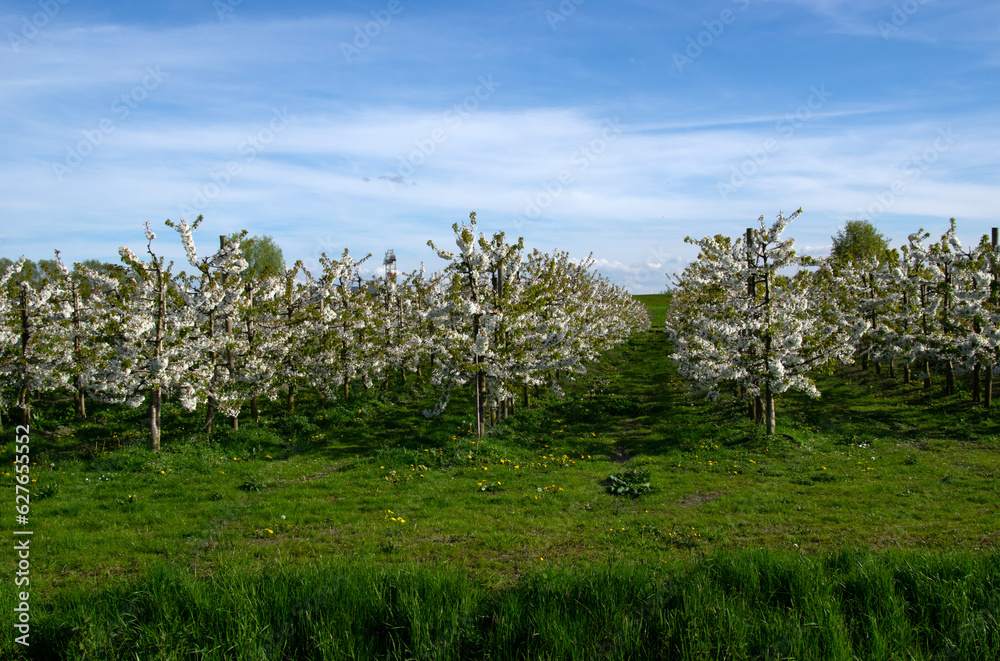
264,257
858,241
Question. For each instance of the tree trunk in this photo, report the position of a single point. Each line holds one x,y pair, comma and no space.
154,419
975,383
988,389
24,404
254,410
526,396
927,379
24,399
79,399
907,374
878,368
480,404
290,398
758,410
769,414
210,415
950,378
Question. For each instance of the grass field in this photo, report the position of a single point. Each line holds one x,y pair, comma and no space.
883,484
657,306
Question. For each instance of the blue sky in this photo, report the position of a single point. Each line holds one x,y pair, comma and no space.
586,126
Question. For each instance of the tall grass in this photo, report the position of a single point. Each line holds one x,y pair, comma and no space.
729,605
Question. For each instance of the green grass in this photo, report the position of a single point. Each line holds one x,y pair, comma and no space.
656,304
873,465
734,605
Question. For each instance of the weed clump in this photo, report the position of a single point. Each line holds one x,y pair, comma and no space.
633,482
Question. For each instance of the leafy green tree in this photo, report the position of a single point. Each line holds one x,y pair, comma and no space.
262,254
858,241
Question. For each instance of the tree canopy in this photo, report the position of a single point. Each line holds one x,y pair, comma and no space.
263,255
858,241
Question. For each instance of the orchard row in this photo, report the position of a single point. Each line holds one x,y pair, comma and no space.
751,315
496,317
